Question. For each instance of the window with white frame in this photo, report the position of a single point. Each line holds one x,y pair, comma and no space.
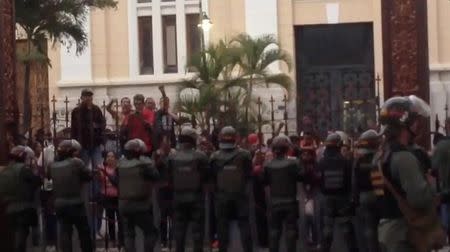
145,37
164,36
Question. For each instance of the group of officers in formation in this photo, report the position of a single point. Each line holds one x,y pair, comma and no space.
368,198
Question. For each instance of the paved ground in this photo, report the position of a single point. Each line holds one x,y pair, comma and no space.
234,246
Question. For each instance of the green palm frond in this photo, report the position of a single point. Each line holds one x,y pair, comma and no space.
225,76
57,20
273,56
283,80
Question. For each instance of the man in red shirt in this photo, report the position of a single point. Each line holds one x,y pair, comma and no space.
140,123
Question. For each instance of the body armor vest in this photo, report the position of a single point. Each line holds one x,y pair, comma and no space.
186,174
18,194
132,185
363,171
282,179
11,187
66,179
422,157
336,175
231,174
387,202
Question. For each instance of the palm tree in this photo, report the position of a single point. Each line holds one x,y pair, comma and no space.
57,21
213,77
254,56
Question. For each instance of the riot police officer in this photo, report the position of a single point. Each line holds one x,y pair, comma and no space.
402,169
336,187
441,167
188,173
68,174
231,167
281,176
366,221
18,184
135,197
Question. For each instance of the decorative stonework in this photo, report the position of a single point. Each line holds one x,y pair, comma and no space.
405,48
405,52
8,105
8,102
7,56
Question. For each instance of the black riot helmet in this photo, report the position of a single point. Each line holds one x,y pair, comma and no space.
333,140
133,148
401,112
20,153
227,138
188,135
280,145
370,139
67,148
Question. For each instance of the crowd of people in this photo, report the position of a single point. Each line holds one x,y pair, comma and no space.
380,192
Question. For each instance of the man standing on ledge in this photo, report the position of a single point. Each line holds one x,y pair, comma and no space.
87,127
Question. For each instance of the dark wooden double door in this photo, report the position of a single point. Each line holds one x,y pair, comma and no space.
335,77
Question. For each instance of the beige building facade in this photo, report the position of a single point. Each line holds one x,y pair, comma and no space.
146,43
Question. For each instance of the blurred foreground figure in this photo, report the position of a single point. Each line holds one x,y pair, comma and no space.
336,186
188,172
409,220
135,171
366,220
281,176
441,165
18,184
232,167
69,173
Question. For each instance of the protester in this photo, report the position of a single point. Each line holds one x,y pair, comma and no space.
140,124
126,110
164,192
150,104
87,127
110,197
165,124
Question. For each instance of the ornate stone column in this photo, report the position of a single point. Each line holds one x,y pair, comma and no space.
405,51
8,103
8,100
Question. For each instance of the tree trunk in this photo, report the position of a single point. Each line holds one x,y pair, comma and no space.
26,99
8,103
247,103
26,94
